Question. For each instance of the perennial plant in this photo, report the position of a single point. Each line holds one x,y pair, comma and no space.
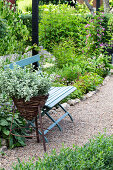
22,83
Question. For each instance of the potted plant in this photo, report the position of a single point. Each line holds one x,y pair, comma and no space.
27,89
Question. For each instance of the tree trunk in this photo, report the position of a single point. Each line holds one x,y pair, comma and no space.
106,6
89,6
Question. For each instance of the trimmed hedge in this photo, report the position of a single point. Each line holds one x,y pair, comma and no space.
96,154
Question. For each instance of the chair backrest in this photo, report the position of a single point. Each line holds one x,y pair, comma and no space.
25,62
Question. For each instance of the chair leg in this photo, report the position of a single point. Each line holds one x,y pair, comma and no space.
53,121
31,123
40,119
66,112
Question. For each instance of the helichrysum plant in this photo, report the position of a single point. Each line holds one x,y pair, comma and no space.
23,83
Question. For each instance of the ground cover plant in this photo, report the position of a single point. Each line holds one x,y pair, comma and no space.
96,154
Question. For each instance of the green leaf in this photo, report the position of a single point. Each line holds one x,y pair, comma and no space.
4,122
9,119
5,131
22,143
11,142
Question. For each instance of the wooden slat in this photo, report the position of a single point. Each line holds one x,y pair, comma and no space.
52,90
60,96
24,62
58,91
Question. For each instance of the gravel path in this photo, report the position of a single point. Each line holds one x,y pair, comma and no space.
91,116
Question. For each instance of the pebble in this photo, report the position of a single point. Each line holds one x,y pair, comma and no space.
72,102
3,149
65,105
90,94
53,111
3,142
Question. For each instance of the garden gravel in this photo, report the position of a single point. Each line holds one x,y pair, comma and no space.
91,116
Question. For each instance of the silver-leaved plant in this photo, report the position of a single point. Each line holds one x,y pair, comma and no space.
23,83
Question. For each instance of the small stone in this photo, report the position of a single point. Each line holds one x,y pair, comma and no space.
84,97
73,102
90,94
98,88
54,108
77,100
93,92
107,78
70,102
65,106
103,83
3,149
3,142
53,111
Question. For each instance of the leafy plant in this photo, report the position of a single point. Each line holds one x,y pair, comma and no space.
3,28
88,82
6,108
110,28
68,74
84,84
60,22
64,53
96,35
96,154
17,34
25,5
22,83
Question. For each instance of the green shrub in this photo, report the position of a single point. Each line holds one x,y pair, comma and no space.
25,5
84,84
17,33
64,53
3,28
98,34
67,74
96,154
60,22
110,28
27,20
88,82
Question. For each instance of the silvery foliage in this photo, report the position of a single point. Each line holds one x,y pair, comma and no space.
23,83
